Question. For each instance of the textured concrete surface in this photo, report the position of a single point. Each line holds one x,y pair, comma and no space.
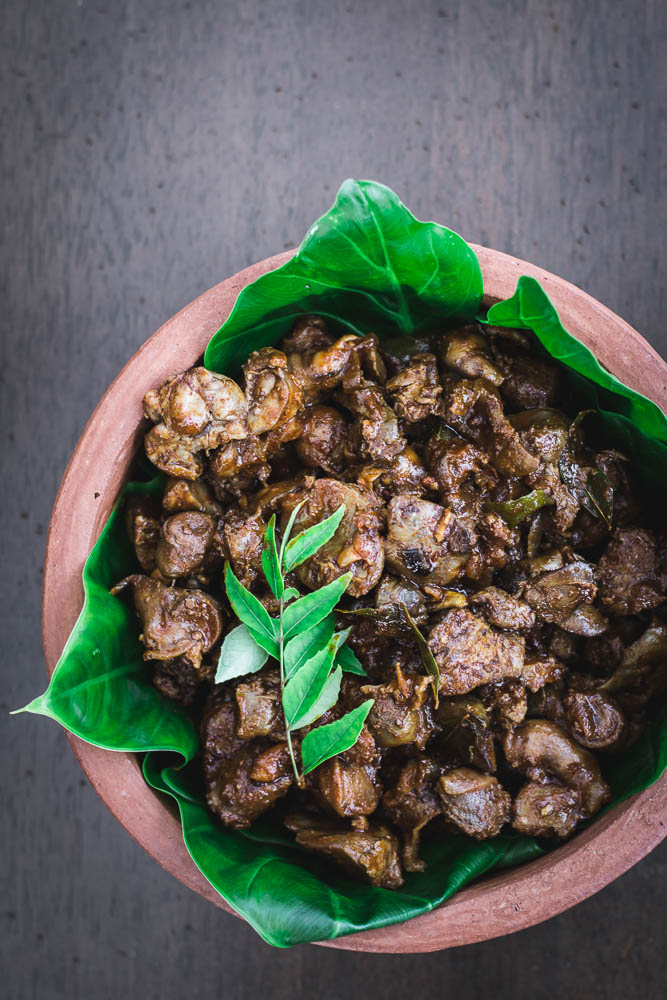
150,148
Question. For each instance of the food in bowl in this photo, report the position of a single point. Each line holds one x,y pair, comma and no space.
495,637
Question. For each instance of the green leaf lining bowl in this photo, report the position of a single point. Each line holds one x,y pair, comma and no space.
497,905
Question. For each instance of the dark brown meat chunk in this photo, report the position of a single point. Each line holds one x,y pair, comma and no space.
258,707
400,714
467,352
416,392
630,572
530,381
370,854
174,622
546,810
595,720
186,544
469,652
417,546
503,610
321,445
466,732
540,669
182,494
356,546
476,803
412,803
348,784
403,474
544,432
541,750
392,592
375,433
474,409
564,597
506,702
235,797
453,461
244,536
143,526
179,680
218,735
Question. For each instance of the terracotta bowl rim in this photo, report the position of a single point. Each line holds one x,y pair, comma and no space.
494,906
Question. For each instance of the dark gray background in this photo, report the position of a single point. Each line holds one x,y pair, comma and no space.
150,149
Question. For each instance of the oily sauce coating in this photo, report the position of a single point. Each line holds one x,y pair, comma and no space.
473,500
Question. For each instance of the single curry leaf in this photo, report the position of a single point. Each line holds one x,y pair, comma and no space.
513,512
290,594
336,737
307,543
366,265
428,659
240,654
302,647
349,663
271,560
247,608
303,690
311,609
327,699
288,531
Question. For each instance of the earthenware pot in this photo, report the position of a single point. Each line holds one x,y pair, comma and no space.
493,906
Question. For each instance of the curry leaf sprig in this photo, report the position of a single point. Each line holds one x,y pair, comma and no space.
311,654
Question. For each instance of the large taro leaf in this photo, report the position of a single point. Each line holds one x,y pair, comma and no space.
291,897
368,265
100,688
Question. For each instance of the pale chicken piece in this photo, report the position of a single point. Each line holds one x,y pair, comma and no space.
273,395
476,803
467,352
356,547
541,750
172,453
175,622
469,652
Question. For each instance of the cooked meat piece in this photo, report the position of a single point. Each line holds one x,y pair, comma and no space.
375,432
476,803
466,732
541,750
187,544
564,645
559,596
543,432
630,579
546,810
258,707
371,854
452,461
403,474
331,365
239,463
244,537
274,397
497,543
171,453
308,334
416,391
143,527
417,545
506,702
356,546
179,680
270,499
199,410
469,652
400,713
392,593
175,622
467,352
321,443
530,381
644,663
238,799
503,610
541,669
595,720
412,803
218,734
348,784
474,409
181,494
